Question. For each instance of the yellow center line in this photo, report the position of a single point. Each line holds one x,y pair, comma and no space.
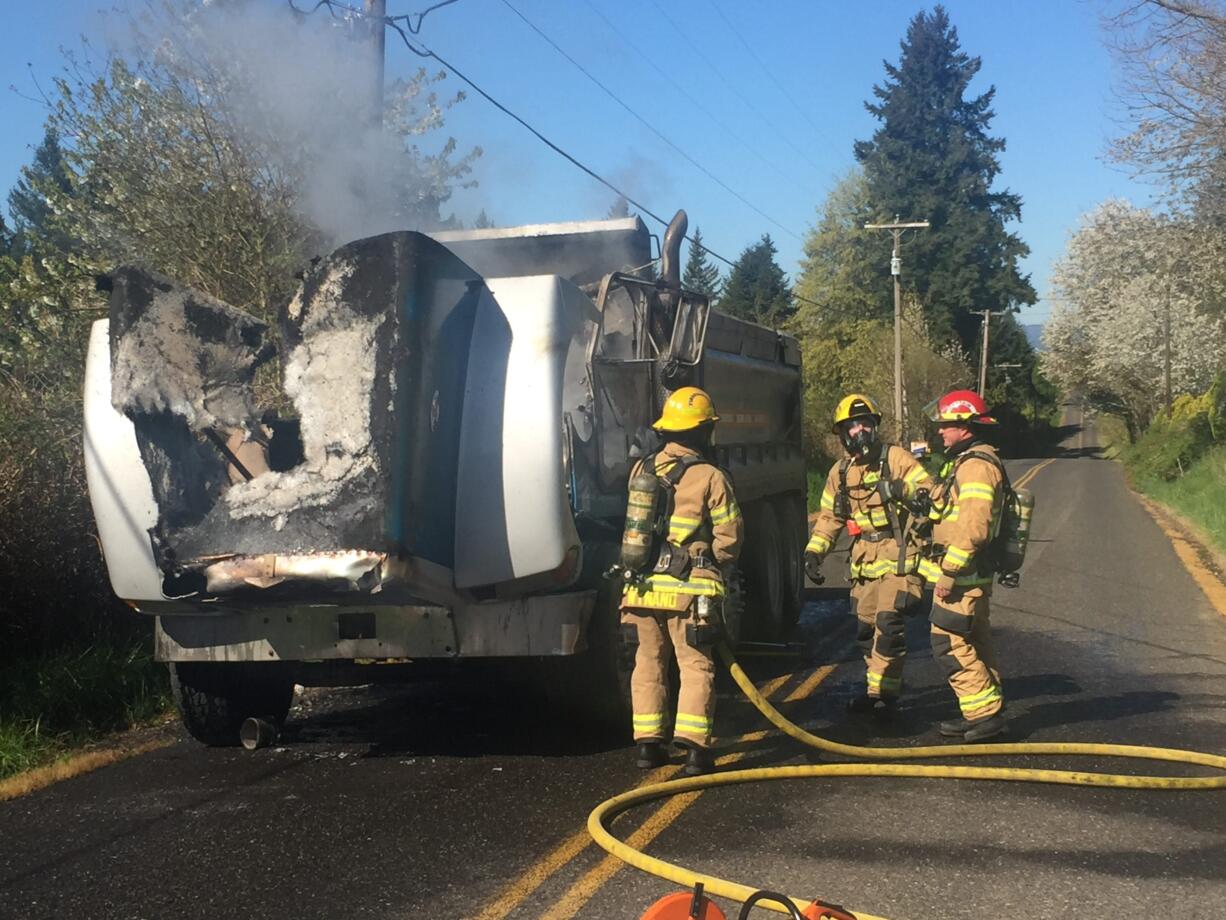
539,872
586,887
810,683
1033,472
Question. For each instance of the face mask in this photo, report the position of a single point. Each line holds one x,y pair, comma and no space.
862,441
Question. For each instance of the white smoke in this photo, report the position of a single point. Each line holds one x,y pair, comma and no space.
300,91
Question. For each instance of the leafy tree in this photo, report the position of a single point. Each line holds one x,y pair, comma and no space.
1124,271
842,356
932,157
248,180
757,289
1172,54
843,268
700,273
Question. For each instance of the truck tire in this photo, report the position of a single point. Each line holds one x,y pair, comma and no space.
592,689
794,531
766,582
215,698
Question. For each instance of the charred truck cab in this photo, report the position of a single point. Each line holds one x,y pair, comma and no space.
445,475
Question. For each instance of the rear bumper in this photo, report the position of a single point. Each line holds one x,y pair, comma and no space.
554,624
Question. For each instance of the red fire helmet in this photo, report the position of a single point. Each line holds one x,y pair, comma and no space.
960,406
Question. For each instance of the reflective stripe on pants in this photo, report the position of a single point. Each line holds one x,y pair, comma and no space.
962,646
881,630
660,637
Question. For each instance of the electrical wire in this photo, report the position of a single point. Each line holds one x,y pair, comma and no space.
694,101
761,63
426,52
649,126
756,108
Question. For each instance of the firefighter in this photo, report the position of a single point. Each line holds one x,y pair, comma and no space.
674,609
865,492
965,516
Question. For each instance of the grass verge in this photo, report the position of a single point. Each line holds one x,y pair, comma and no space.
1199,494
51,705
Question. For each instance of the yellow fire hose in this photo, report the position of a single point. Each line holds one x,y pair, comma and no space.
605,812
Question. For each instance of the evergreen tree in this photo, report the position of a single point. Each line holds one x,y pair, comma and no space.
757,289
700,274
483,222
619,208
28,200
932,158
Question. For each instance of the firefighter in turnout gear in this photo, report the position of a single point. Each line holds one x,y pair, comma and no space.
867,493
682,594
965,516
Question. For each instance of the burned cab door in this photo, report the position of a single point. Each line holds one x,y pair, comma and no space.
622,382
645,345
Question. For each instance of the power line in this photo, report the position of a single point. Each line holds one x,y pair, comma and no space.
697,103
752,106
650,127
761,63
425,52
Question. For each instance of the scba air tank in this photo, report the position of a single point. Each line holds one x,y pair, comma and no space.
1016,528
638,536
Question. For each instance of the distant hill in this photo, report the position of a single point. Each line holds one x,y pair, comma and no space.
1034,335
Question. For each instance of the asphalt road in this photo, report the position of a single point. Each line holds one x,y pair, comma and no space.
442,801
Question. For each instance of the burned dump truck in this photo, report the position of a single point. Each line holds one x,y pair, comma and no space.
446,477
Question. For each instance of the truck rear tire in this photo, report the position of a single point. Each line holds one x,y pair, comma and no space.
215,698
766,582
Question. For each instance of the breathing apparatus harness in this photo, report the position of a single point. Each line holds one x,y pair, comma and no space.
646,550
899,529
1006,549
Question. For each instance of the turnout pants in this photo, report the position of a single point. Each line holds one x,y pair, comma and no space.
962,646
660,636
880,605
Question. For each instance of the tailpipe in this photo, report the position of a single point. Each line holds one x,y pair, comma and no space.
670,251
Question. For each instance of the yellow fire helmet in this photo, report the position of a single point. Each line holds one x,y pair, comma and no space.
855,405
686,408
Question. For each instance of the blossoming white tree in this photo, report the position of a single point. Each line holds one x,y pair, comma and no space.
1129,275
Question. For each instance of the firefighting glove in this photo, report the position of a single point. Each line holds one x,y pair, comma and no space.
813,568
921,504
893,489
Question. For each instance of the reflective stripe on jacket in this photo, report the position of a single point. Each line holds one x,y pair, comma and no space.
965,515
869,560
705,521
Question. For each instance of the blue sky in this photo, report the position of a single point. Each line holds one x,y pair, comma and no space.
794,119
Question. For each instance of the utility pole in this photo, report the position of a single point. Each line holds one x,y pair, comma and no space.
1166,333
375,11
897,229
983,354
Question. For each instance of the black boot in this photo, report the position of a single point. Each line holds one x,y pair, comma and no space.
862,705
651,755
954,728
982,729
699,761
883,708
